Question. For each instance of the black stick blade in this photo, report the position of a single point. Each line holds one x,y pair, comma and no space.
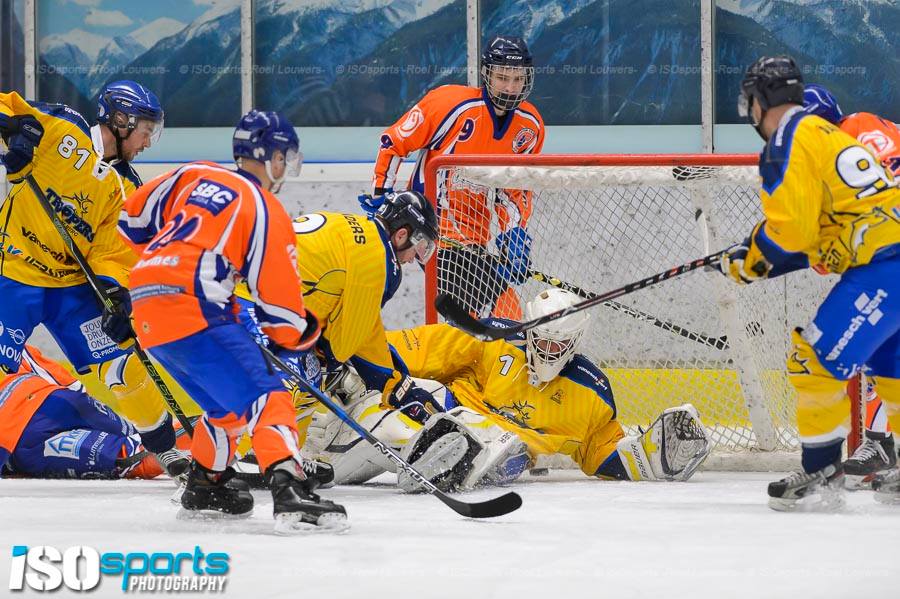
457,316
498,506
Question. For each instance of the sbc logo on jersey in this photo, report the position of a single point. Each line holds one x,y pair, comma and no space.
210,196
412,122
523,140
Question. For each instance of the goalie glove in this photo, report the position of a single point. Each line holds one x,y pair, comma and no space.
462,449
671,449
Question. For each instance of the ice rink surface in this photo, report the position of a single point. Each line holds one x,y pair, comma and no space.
574,537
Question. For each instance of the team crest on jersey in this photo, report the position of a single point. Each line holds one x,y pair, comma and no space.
523,140
72,209
212,196
412,122
877,140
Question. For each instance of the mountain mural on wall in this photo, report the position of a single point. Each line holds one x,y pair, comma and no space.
365,62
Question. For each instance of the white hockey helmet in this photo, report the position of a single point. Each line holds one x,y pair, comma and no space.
550,346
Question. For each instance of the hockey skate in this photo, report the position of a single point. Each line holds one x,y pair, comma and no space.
819,491
176,463
875,455
887,487
214,495
297,509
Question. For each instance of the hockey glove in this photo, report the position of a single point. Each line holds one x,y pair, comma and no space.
371,203
22,134
515,250
116,321
415,402
733,264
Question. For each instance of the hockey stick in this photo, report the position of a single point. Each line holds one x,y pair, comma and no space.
458,316
106,303
716,342
497,506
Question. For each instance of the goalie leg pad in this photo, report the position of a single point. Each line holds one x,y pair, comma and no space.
354,460
674,446
492,456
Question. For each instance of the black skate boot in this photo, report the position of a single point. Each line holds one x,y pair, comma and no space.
320,474
214,495
297,509
875,455
176,463
819,491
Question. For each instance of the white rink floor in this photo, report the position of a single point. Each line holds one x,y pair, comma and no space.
713,537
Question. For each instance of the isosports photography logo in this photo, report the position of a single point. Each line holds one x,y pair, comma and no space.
82,568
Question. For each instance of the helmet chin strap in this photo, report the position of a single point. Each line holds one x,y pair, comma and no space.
276,183
119,139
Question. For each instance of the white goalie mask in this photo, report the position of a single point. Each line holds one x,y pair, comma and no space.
551,345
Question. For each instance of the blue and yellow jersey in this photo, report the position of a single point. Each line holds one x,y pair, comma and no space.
348,271
827,201
574,414
85,193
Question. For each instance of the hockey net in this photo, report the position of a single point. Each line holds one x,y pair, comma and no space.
600,222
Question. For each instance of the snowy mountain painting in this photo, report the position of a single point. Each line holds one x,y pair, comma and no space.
364,62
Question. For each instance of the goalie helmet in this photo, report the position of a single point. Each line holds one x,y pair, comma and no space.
507,71
259,134
819,101
550,346
771,81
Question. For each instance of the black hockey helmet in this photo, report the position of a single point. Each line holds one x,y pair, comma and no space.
771,81
411,209
501,54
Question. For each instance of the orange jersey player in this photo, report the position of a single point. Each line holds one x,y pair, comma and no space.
49,427
456,119
200,230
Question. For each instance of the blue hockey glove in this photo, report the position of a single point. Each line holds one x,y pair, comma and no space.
415,402
515,250
22,135
371,203
116,321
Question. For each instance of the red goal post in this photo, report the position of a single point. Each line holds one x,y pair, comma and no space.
601,221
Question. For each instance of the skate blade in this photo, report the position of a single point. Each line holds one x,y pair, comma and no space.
176,496
887,498
822,501
209,515
853,482
292,524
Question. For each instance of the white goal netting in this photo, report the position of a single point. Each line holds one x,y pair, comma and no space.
697,338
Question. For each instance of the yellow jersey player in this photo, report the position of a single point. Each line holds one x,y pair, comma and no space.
829,204
511,400
877,452
40,282
350,267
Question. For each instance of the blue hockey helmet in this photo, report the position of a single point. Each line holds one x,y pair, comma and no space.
123,104
507,71
259,134
819,101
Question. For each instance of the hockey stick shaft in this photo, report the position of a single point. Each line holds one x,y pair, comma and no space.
716,342
456,314
106,303
493,507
